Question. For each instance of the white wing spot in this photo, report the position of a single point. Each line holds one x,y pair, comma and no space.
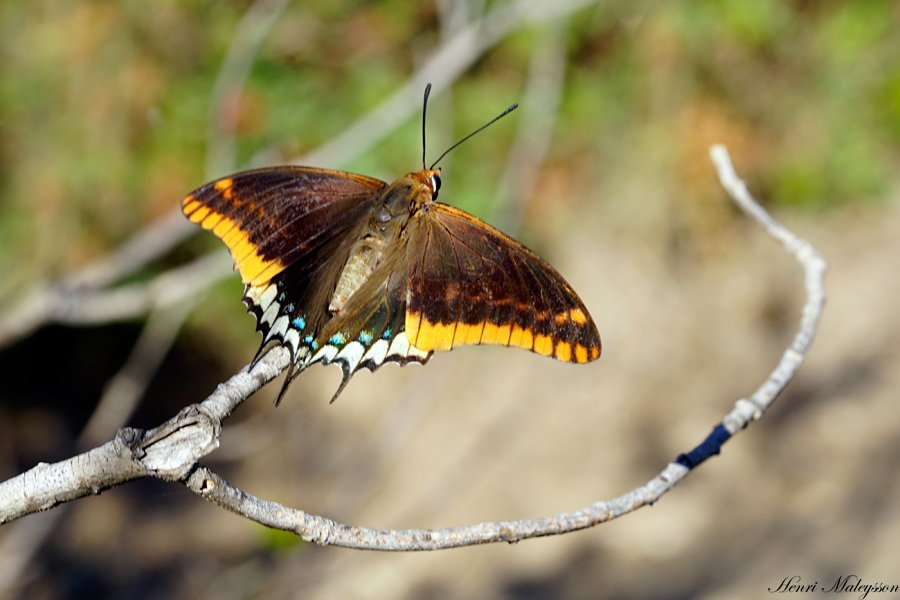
270,314
377,352
325,355
399,345
351,353
279,328
267,296
292,339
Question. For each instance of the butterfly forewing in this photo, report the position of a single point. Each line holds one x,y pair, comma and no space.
271,218
468,283
287,230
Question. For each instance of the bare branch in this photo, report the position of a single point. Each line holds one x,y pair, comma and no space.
141,249
168,452
321,530
325,531
171,450
47,485
133,300
814,267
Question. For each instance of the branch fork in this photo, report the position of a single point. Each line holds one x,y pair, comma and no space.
171,450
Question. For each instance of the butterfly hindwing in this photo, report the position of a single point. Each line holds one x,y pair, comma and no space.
469,283
369,330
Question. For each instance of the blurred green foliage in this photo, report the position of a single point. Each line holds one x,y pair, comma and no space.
105,106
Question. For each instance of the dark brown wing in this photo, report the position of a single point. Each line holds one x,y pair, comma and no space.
270,218
468,283
289,230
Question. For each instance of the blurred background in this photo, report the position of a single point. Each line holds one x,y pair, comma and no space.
116,311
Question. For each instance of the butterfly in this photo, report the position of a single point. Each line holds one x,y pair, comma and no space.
346,269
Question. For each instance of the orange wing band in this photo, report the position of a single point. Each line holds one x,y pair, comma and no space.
254,268
428,336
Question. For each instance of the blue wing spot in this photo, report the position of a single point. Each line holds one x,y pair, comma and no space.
282,297
300,323
365,337
289,308
308,339
337,339
314,345
388,334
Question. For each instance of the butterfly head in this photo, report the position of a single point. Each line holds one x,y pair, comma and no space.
431,179
407,195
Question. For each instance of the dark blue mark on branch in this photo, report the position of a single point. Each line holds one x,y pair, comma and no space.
707,448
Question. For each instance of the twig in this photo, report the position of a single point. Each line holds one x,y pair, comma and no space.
321,530
455,15
170,451
814,267
134,300
141,249
324,531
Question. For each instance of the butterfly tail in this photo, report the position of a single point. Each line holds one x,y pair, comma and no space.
299,363
346,373
262,351
293,371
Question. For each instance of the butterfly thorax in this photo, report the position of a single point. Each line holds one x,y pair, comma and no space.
385,227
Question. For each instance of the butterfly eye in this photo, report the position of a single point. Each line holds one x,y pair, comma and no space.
436,184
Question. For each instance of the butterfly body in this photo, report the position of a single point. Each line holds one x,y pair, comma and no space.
343,268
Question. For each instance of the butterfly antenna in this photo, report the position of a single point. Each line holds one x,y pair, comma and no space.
424,110
485,126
